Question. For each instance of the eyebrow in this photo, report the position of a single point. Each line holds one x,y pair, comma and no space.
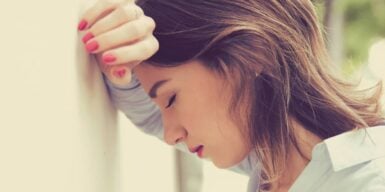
156,86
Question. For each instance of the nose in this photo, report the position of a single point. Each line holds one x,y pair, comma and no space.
173,132
172,136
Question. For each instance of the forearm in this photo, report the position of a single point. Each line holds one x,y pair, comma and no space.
132,100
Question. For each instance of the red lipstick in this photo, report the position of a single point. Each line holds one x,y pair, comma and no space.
198,150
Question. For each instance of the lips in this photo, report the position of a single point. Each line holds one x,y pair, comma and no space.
198,149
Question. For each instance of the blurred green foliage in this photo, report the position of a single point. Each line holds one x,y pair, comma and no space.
363,24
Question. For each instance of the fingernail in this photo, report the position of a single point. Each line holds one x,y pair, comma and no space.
87,37
120,73
108,58
82,25
92,46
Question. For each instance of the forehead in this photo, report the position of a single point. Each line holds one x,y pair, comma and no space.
145,71
193,72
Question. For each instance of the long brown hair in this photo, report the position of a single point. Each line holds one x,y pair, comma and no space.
273,55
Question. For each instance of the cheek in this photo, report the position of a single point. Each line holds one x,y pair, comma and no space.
207,122
208,119
229,148
195,116
193,103
202,111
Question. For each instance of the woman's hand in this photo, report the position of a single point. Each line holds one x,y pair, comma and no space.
120,35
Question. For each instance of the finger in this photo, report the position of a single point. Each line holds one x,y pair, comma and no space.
121,15
127,33
120,75
139,51
117,74
100,9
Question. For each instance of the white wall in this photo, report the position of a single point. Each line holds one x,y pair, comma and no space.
148,164
58,131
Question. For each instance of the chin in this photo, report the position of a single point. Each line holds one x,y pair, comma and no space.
225,164
221,166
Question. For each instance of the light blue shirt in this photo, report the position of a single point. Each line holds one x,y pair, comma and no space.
353,162
349,162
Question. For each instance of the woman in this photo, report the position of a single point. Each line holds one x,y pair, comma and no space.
246,84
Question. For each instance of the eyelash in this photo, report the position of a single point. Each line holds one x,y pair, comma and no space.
171,101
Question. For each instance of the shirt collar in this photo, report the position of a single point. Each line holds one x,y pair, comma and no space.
355,147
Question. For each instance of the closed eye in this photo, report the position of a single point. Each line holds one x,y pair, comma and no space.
171,101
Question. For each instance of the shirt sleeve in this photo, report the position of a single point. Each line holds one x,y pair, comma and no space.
138,107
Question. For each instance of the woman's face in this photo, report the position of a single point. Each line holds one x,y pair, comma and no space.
194,103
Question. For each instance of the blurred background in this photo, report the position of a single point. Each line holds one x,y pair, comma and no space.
355,31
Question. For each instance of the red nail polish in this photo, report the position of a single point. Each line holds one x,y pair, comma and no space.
92,46
108,58
120,73
82,25
87,37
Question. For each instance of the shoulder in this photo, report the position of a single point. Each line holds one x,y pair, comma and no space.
379,167
358,160
370,177
364,177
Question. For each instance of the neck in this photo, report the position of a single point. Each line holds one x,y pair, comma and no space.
296,162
